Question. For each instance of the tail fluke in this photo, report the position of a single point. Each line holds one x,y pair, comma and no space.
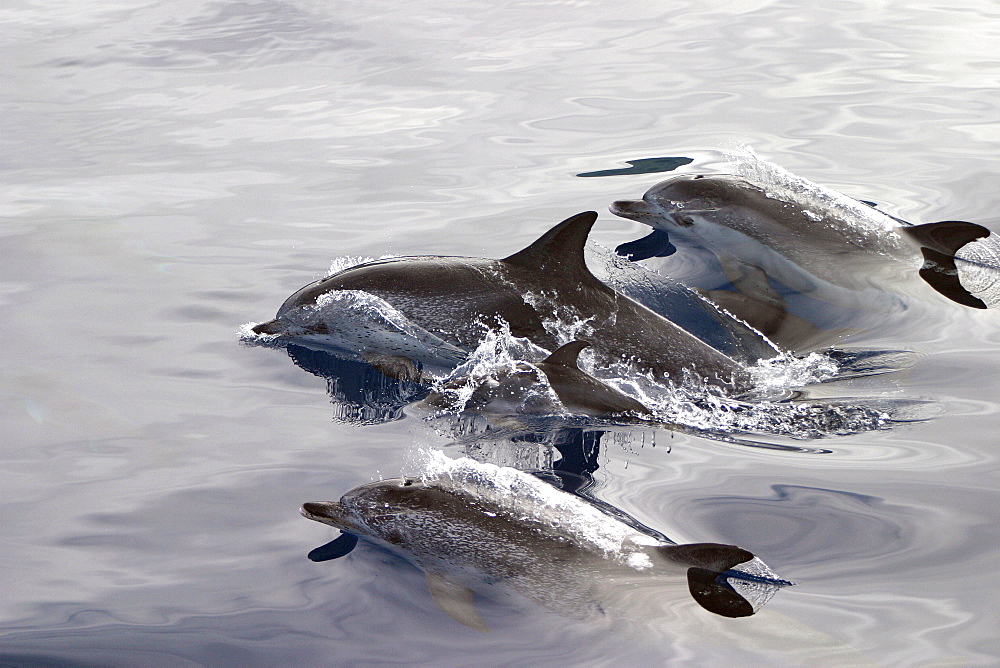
938,243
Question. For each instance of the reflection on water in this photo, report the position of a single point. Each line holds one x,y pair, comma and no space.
643,166
360,394
172,169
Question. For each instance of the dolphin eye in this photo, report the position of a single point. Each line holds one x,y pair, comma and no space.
685,220
407,483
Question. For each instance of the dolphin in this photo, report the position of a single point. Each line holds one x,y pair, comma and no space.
812,241
682,305
480,526
456,300
521,390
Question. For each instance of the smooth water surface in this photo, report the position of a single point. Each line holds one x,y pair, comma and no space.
174,170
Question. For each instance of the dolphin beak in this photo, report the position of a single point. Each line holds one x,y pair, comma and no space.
326,512
269,327
634,209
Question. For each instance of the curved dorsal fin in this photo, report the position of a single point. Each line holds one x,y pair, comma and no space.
567,355
560,249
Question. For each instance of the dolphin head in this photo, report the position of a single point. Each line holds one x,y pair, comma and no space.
308,323
379,509
680,203
333,513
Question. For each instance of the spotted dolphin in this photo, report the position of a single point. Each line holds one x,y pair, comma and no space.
475,527
457,299
815,242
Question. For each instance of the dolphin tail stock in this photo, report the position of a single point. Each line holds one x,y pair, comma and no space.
655,244
938,243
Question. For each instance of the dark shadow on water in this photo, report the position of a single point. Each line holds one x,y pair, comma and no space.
643,166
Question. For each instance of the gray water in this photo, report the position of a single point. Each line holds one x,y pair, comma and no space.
174,170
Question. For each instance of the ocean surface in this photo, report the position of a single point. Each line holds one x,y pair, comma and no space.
173,170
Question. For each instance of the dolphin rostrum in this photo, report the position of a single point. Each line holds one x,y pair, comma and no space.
813,241
534,291
475,525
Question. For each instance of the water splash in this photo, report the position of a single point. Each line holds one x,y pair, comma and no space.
499,355
346,262
688,403
756,582
977,264
778,374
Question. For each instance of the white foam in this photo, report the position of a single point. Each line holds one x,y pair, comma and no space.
978,265
348,261
497,355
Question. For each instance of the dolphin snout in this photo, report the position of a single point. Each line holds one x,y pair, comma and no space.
635,209
269,327
322,511
312,510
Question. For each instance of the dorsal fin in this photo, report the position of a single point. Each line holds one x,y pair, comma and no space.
567,355
946,236
560,249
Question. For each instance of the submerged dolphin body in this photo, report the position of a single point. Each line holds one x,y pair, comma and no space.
520,390
810,241
478,525
456,300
